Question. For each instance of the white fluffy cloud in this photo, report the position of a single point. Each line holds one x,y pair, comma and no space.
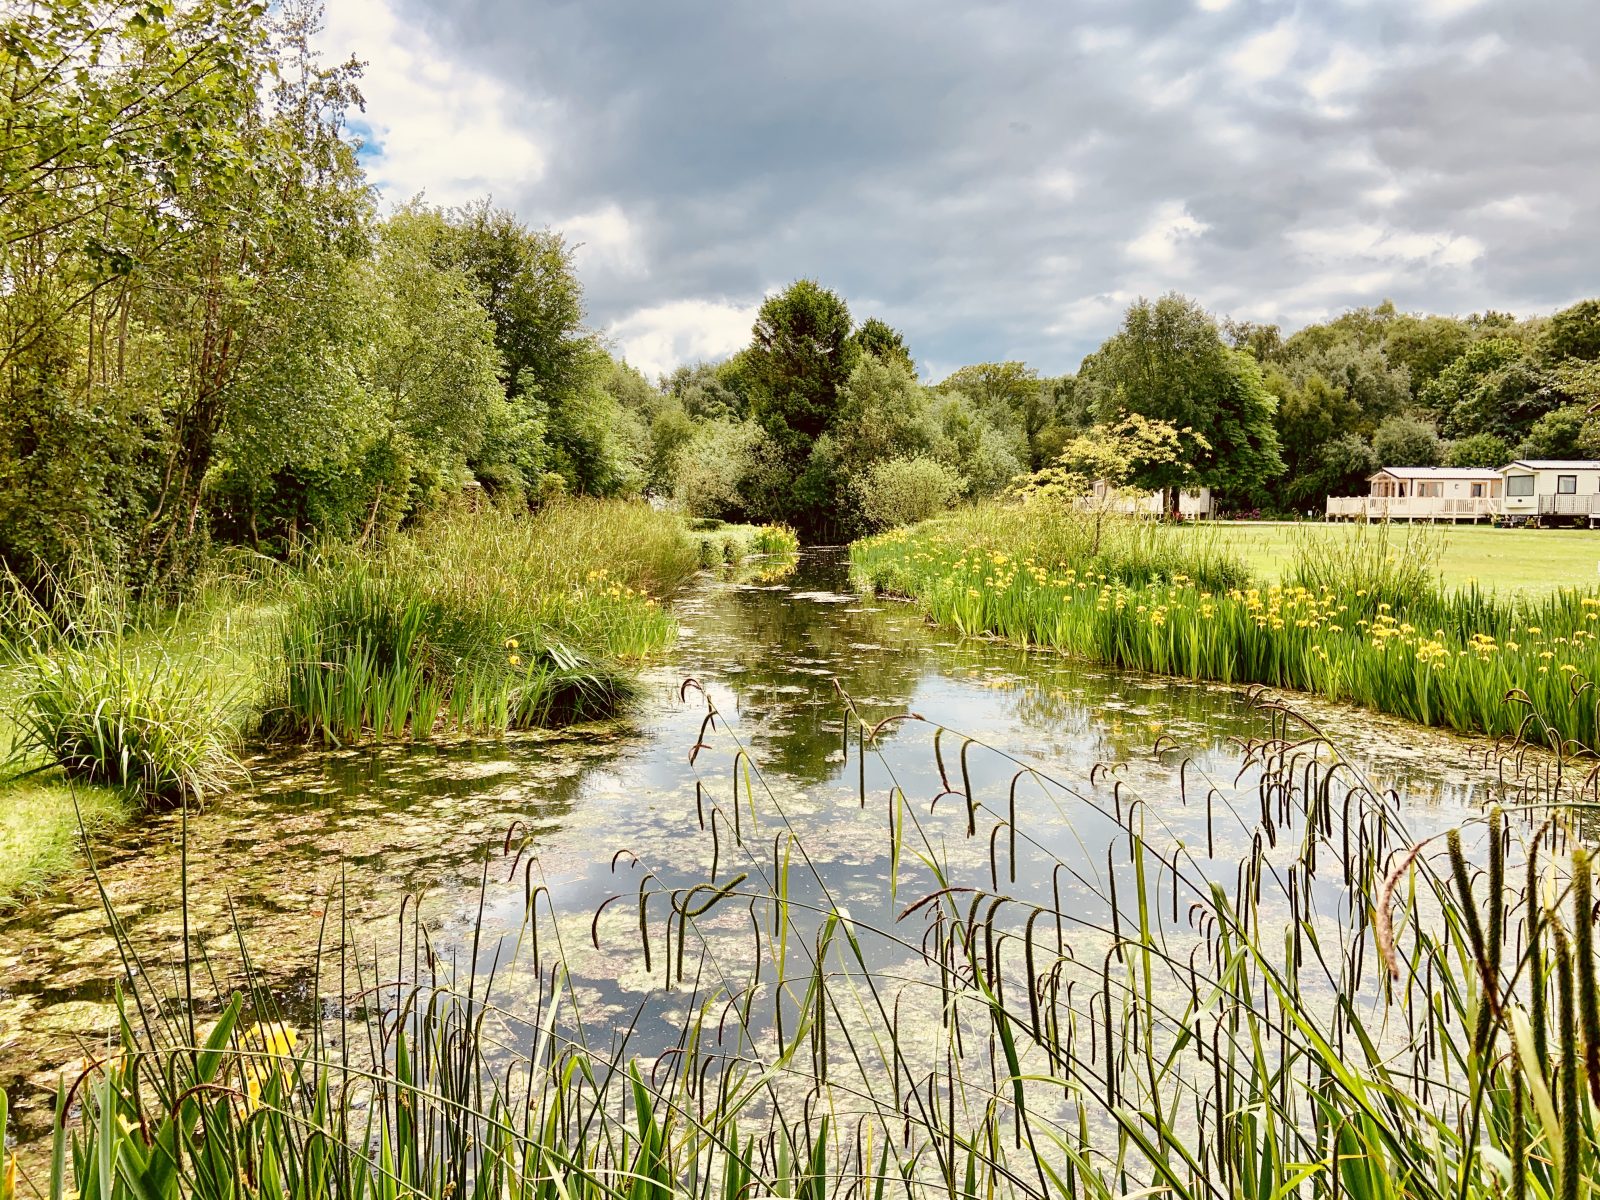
659,338
437,126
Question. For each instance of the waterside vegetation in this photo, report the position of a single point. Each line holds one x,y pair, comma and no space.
1362,620
1201,1017
469,624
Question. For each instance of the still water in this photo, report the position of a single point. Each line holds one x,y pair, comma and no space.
320,839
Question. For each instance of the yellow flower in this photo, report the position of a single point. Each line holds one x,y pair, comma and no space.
512,643
515,660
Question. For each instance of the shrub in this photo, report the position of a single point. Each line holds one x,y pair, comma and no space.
147,721
902,491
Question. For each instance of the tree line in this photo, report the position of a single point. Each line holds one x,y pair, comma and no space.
210,334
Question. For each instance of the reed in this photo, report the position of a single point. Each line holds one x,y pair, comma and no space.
1289,1012
478,624
1443,658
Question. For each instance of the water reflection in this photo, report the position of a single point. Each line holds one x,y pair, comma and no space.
323,838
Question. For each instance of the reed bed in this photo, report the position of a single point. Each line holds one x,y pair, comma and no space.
1301,1000
1371,629
479,624
719,544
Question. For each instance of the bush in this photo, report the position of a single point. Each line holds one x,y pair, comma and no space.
148,722
903,491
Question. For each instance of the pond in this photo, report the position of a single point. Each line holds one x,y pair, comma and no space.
320,839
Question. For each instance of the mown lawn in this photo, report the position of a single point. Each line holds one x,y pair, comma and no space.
1501,560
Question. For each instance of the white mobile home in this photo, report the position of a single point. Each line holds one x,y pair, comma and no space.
1192,506
1423,494
1549,491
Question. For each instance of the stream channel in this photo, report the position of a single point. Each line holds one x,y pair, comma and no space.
316,835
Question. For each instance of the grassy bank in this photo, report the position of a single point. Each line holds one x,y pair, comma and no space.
1314,1006
1362,620
470,625
1496,560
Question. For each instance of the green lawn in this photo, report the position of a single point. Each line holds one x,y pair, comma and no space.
1502,560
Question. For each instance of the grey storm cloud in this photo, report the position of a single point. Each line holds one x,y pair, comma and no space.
1000,180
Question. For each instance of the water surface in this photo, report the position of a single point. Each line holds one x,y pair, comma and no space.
318,839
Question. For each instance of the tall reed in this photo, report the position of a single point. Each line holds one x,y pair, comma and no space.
1305,1000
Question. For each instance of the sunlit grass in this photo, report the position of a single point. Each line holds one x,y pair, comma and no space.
1373,628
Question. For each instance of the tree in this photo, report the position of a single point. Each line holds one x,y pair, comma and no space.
1099,468
881,340
1572,333
1168,363
799,357
1478,450
1424,346
1557,434
1407,442
1311,415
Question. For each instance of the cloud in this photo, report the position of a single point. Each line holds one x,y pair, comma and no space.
1002,179
1163,241
432,125
659,338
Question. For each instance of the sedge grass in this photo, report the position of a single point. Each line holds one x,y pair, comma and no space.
479,624
1441,658
1311,1003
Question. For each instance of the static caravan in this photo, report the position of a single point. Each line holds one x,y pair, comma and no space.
1549,491
1423,494
1192,506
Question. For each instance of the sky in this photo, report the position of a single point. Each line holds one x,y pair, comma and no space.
1000,180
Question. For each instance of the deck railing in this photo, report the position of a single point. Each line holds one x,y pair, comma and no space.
1416,508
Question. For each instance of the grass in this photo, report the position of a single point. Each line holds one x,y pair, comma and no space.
1360,621
479,624
1536,561
718,544
1304,1001
39,830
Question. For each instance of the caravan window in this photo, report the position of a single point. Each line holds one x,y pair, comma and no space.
1519,485
1566,485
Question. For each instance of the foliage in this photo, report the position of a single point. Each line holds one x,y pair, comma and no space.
1407,442
480,623
141,720
1437,658
1558,434
1169,363
903,490
1478,450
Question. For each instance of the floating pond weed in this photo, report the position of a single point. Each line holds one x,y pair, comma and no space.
1305,1001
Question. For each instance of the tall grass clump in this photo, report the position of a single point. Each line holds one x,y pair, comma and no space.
117,692
1442,658
132,718
480,623
720,544
1390,564
1272,989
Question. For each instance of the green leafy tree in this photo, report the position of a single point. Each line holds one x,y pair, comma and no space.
879,339
1478,450
1407,442
1573,332
1558,434
799,358
1168,363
